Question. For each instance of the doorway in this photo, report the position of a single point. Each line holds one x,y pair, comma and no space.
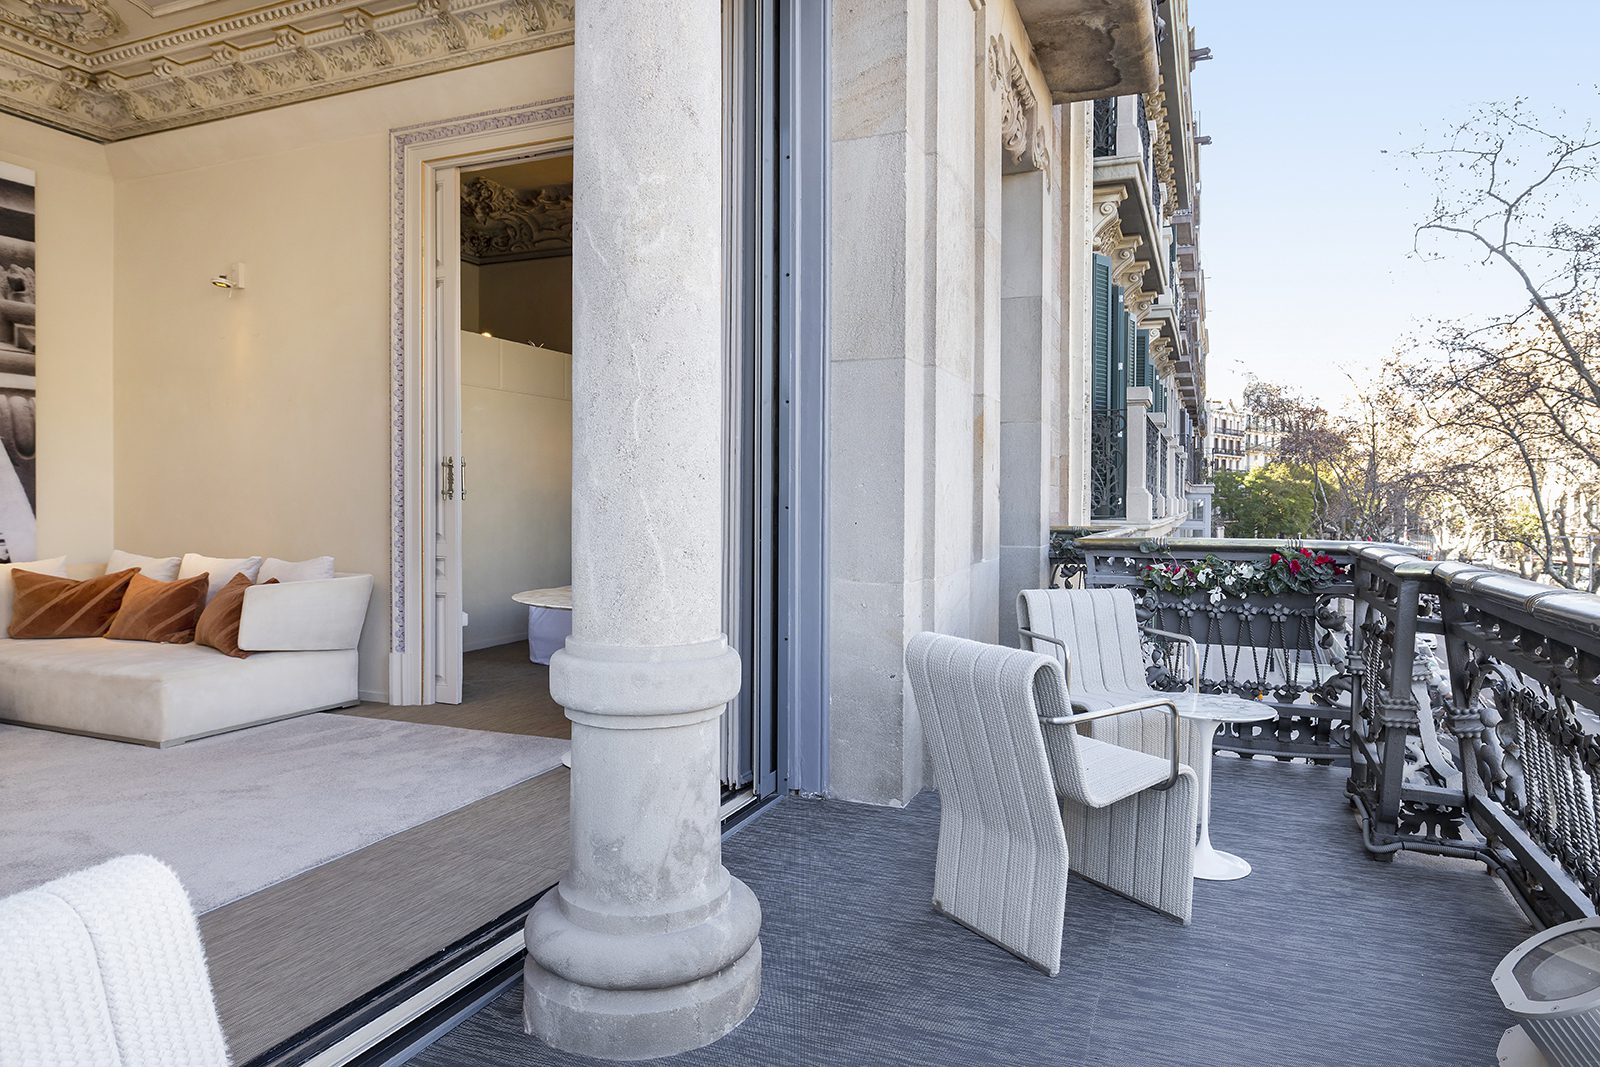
497,445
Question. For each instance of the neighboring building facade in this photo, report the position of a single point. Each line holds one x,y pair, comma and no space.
1240,440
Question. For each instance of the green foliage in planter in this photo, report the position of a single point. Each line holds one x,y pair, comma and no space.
1289,570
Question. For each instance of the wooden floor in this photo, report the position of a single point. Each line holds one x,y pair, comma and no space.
501,691
284,959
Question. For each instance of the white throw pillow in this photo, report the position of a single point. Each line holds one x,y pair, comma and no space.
162,569
221,570
57,567
307,570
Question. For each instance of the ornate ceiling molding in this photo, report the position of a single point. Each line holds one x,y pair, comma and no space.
500,224
263,58
1024,124
73,21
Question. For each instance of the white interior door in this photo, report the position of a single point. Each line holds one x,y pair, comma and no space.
450,470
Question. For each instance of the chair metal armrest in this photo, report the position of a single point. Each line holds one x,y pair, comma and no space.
1194,653
1066,655
1141,705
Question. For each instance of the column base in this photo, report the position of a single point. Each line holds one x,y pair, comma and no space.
639,1024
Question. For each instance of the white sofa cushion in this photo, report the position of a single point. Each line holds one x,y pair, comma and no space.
162,569
8,592
161,694
305,616
304,571
221,570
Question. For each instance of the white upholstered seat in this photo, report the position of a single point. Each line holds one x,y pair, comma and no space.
1024,798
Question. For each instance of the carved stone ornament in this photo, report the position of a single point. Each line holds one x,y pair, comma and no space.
1161,148
67,21
1024,124
1127,270
500,224
262,57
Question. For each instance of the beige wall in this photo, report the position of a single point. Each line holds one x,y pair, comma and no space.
259,423
74,228
516,511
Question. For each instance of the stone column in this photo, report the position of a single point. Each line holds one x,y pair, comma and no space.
648,946
1141,496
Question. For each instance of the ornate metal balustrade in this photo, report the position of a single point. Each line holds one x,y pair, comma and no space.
1105,127
1287,650
1108,465
1493,750
1152,470
1465,699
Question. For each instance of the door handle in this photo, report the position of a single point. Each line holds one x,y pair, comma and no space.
449,490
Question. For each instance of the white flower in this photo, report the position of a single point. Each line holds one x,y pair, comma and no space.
1216,596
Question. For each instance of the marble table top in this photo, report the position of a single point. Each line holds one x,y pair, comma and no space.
558,597
1222,707
1211,707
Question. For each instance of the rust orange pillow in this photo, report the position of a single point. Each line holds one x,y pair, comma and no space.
47,606
218,627
164,612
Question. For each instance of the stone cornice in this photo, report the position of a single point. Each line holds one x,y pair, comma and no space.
260,59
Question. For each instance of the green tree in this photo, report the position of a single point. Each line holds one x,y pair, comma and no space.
1272,501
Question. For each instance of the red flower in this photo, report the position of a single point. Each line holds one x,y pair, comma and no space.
1294,566
1323,559
1275,558
1306,552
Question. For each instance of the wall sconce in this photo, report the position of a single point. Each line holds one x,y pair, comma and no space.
232,279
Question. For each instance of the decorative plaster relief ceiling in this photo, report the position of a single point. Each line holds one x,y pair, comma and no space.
523,211
113,69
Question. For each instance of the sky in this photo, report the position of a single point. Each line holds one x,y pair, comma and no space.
1306,222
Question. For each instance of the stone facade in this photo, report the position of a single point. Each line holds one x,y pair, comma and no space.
968,204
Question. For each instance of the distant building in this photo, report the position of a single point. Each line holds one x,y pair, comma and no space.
1238,440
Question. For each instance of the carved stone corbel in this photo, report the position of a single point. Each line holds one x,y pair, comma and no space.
1024,122
183,89
306,63
239,76
450,28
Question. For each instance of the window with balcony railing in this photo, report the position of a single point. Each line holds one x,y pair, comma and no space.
1105,127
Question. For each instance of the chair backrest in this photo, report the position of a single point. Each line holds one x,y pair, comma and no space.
980,720
1100,629
106,966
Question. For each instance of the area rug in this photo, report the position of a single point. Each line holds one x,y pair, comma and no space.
236,813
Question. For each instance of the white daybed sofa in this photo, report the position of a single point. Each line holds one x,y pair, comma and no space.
302,634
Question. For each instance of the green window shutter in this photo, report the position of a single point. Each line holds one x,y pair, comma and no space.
1121,350
1141,360
1101,344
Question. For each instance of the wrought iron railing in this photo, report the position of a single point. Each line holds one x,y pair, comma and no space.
1105,127
1465,700
1144,140
1498,754
1287,650
1108,465
1152,470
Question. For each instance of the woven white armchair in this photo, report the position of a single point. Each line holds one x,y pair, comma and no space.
1024,797
105,966
1095,635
